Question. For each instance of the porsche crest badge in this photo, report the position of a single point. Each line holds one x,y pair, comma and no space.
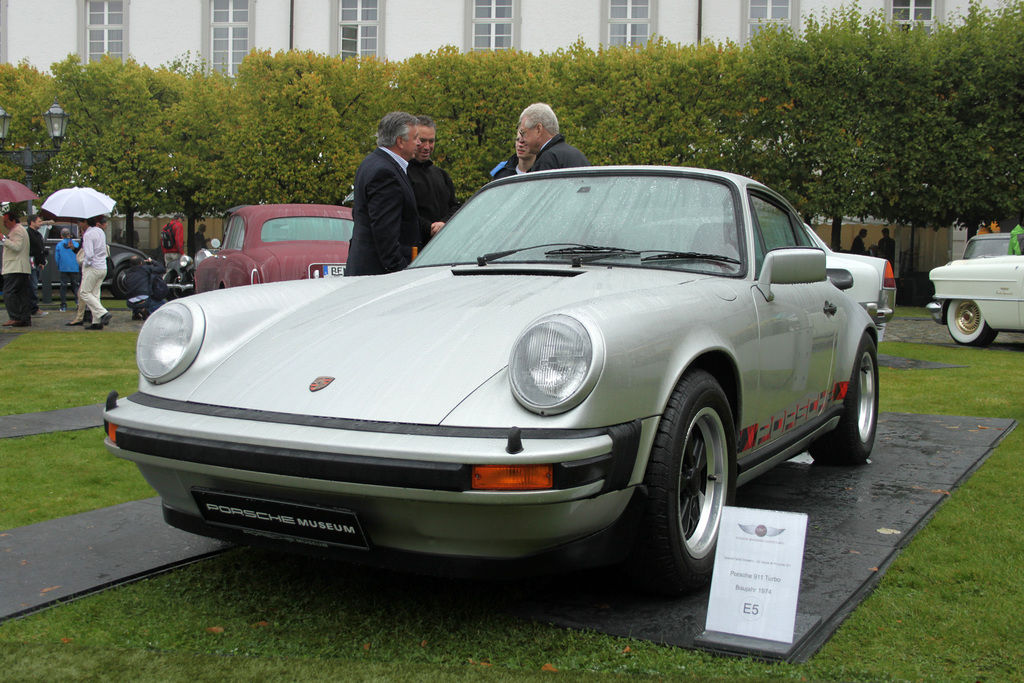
320,382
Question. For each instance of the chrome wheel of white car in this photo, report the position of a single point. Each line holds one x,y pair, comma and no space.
690,478
966,324
851,441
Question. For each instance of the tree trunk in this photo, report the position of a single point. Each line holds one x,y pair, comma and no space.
129,228
837,233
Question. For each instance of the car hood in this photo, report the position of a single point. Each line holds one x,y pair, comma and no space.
407,347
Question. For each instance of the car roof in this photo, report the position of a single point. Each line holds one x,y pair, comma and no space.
637,170
263,212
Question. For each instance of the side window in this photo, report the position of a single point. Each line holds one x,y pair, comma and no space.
236,233
773,228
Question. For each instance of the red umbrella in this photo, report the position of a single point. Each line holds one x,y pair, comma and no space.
13,191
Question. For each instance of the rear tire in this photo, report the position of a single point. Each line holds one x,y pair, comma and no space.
851,441
691,477
967,324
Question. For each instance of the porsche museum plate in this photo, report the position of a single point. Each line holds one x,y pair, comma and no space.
303,523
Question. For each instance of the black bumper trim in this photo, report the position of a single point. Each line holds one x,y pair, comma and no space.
613,468
355,425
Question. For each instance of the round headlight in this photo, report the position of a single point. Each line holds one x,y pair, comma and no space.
552,367
169,341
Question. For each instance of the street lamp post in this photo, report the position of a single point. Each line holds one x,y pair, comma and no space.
56,120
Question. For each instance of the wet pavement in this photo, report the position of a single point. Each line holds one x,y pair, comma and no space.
55,319
926,331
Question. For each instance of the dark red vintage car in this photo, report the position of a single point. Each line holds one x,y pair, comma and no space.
276,242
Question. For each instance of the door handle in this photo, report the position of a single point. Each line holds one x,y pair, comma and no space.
830,308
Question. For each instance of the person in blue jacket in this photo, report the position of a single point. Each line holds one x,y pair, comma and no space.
67,264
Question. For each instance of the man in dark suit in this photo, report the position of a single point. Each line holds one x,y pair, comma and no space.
538,129
386,219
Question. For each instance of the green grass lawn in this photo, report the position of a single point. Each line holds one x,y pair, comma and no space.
947,609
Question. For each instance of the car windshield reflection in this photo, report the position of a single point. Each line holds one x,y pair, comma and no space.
689,223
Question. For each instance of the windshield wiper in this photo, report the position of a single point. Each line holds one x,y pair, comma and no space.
495,255
693,255
585,253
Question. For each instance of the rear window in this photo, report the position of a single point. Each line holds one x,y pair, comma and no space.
306,229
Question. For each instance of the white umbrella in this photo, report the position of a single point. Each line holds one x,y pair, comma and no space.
78,202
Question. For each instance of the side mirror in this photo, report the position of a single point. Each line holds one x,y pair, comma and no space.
798,265
841,278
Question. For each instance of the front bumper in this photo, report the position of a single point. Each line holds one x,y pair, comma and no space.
408,486
935,309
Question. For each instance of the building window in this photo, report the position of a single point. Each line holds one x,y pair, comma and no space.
493,22
359,28
629,22
909,13
105,29
774,14
230,32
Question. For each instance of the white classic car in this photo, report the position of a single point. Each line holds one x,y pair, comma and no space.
978,298
874,282
578,370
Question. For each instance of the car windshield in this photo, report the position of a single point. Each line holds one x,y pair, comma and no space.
657,221
306,229
996,246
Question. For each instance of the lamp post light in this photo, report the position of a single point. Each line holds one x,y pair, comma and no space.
56,120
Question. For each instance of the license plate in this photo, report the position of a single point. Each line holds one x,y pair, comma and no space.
303,523
319,270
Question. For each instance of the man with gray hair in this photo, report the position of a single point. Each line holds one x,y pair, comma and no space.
538,129
386,229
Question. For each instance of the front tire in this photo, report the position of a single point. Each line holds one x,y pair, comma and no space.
850,443
967,324
118,289
172,278
691,477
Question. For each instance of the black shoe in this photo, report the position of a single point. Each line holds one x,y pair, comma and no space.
72,324
96,326
137,316
105,320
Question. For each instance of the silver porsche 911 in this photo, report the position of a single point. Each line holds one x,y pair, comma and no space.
578,370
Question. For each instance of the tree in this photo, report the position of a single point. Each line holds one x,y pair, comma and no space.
25,93
287,143
196,126
117,144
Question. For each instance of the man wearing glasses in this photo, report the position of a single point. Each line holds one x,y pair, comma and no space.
538,129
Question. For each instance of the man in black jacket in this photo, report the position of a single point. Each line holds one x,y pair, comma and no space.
38,253
538,127
435,192
138,286
384,209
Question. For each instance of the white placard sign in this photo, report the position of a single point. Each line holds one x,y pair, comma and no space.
756,583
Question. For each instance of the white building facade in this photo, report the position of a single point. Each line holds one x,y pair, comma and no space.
222,32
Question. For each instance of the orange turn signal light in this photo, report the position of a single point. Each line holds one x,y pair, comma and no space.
112,431
512,477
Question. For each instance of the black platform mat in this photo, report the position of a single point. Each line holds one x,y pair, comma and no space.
67,558
858,520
